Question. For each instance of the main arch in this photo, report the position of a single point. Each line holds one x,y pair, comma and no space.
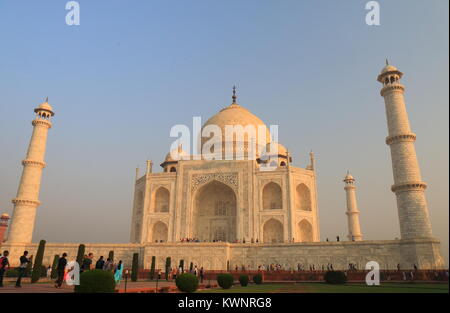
214,214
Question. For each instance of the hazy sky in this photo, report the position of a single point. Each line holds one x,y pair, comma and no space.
131,70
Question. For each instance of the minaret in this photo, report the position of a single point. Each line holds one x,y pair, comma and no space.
408,185
27,199
354,229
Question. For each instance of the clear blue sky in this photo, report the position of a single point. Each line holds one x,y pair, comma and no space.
131,70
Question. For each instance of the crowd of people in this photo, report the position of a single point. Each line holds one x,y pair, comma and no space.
174,272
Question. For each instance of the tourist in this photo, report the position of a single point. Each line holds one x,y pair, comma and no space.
49,271
415,267
398,267
100,263
337,238
202,274
87,262
22,268
108,265
4,263
60,269
118,272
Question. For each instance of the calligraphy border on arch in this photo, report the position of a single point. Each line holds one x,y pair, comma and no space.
230,179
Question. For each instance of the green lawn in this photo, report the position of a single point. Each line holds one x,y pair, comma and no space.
326,288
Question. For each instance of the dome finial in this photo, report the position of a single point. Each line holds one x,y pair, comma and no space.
234,94
387,62
46,99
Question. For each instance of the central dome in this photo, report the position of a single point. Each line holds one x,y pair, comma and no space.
235,116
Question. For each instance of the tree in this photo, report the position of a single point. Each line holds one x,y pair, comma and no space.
111,255
168,264
54,274
80,254
135,267
37,268
152,268
182,266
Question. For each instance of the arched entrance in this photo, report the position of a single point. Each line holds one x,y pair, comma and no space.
273,231
214,215
161,200
272,199
305,231
159,232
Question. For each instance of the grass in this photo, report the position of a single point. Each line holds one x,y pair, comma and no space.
326,288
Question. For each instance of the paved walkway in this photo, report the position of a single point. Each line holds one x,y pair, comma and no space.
49,287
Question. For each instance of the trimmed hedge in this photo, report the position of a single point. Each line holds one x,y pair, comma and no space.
135,267
225,280
96,281
37,268
187,282
335,277
243,280
152,268
258,279
54,273
168,264
80,254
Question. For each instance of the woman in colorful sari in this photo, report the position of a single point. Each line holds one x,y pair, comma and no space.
118,272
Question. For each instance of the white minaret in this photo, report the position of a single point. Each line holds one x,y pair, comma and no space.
408,185
27,199
354,229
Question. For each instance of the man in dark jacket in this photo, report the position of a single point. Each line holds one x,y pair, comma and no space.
60,269
24,260
100,263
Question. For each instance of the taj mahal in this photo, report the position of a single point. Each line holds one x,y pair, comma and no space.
234,211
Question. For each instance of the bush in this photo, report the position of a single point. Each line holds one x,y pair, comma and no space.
135,267
37,268
80,254
258,279
335,277
96,281
152,268
54,274
243,279
14,272
225,280
187,282
168,264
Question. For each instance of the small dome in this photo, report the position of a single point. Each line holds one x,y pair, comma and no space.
45,106
275,146
389,68
348,177
5,216
176,155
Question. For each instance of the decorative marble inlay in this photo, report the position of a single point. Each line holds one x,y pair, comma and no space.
230,179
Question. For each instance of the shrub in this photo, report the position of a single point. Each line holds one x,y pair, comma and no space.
37,268
243,279
225,280
152,268
258,279
182,266
80,254
168,263
54,274
111,255
14,272
335,277
187,282
96,281
135,267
